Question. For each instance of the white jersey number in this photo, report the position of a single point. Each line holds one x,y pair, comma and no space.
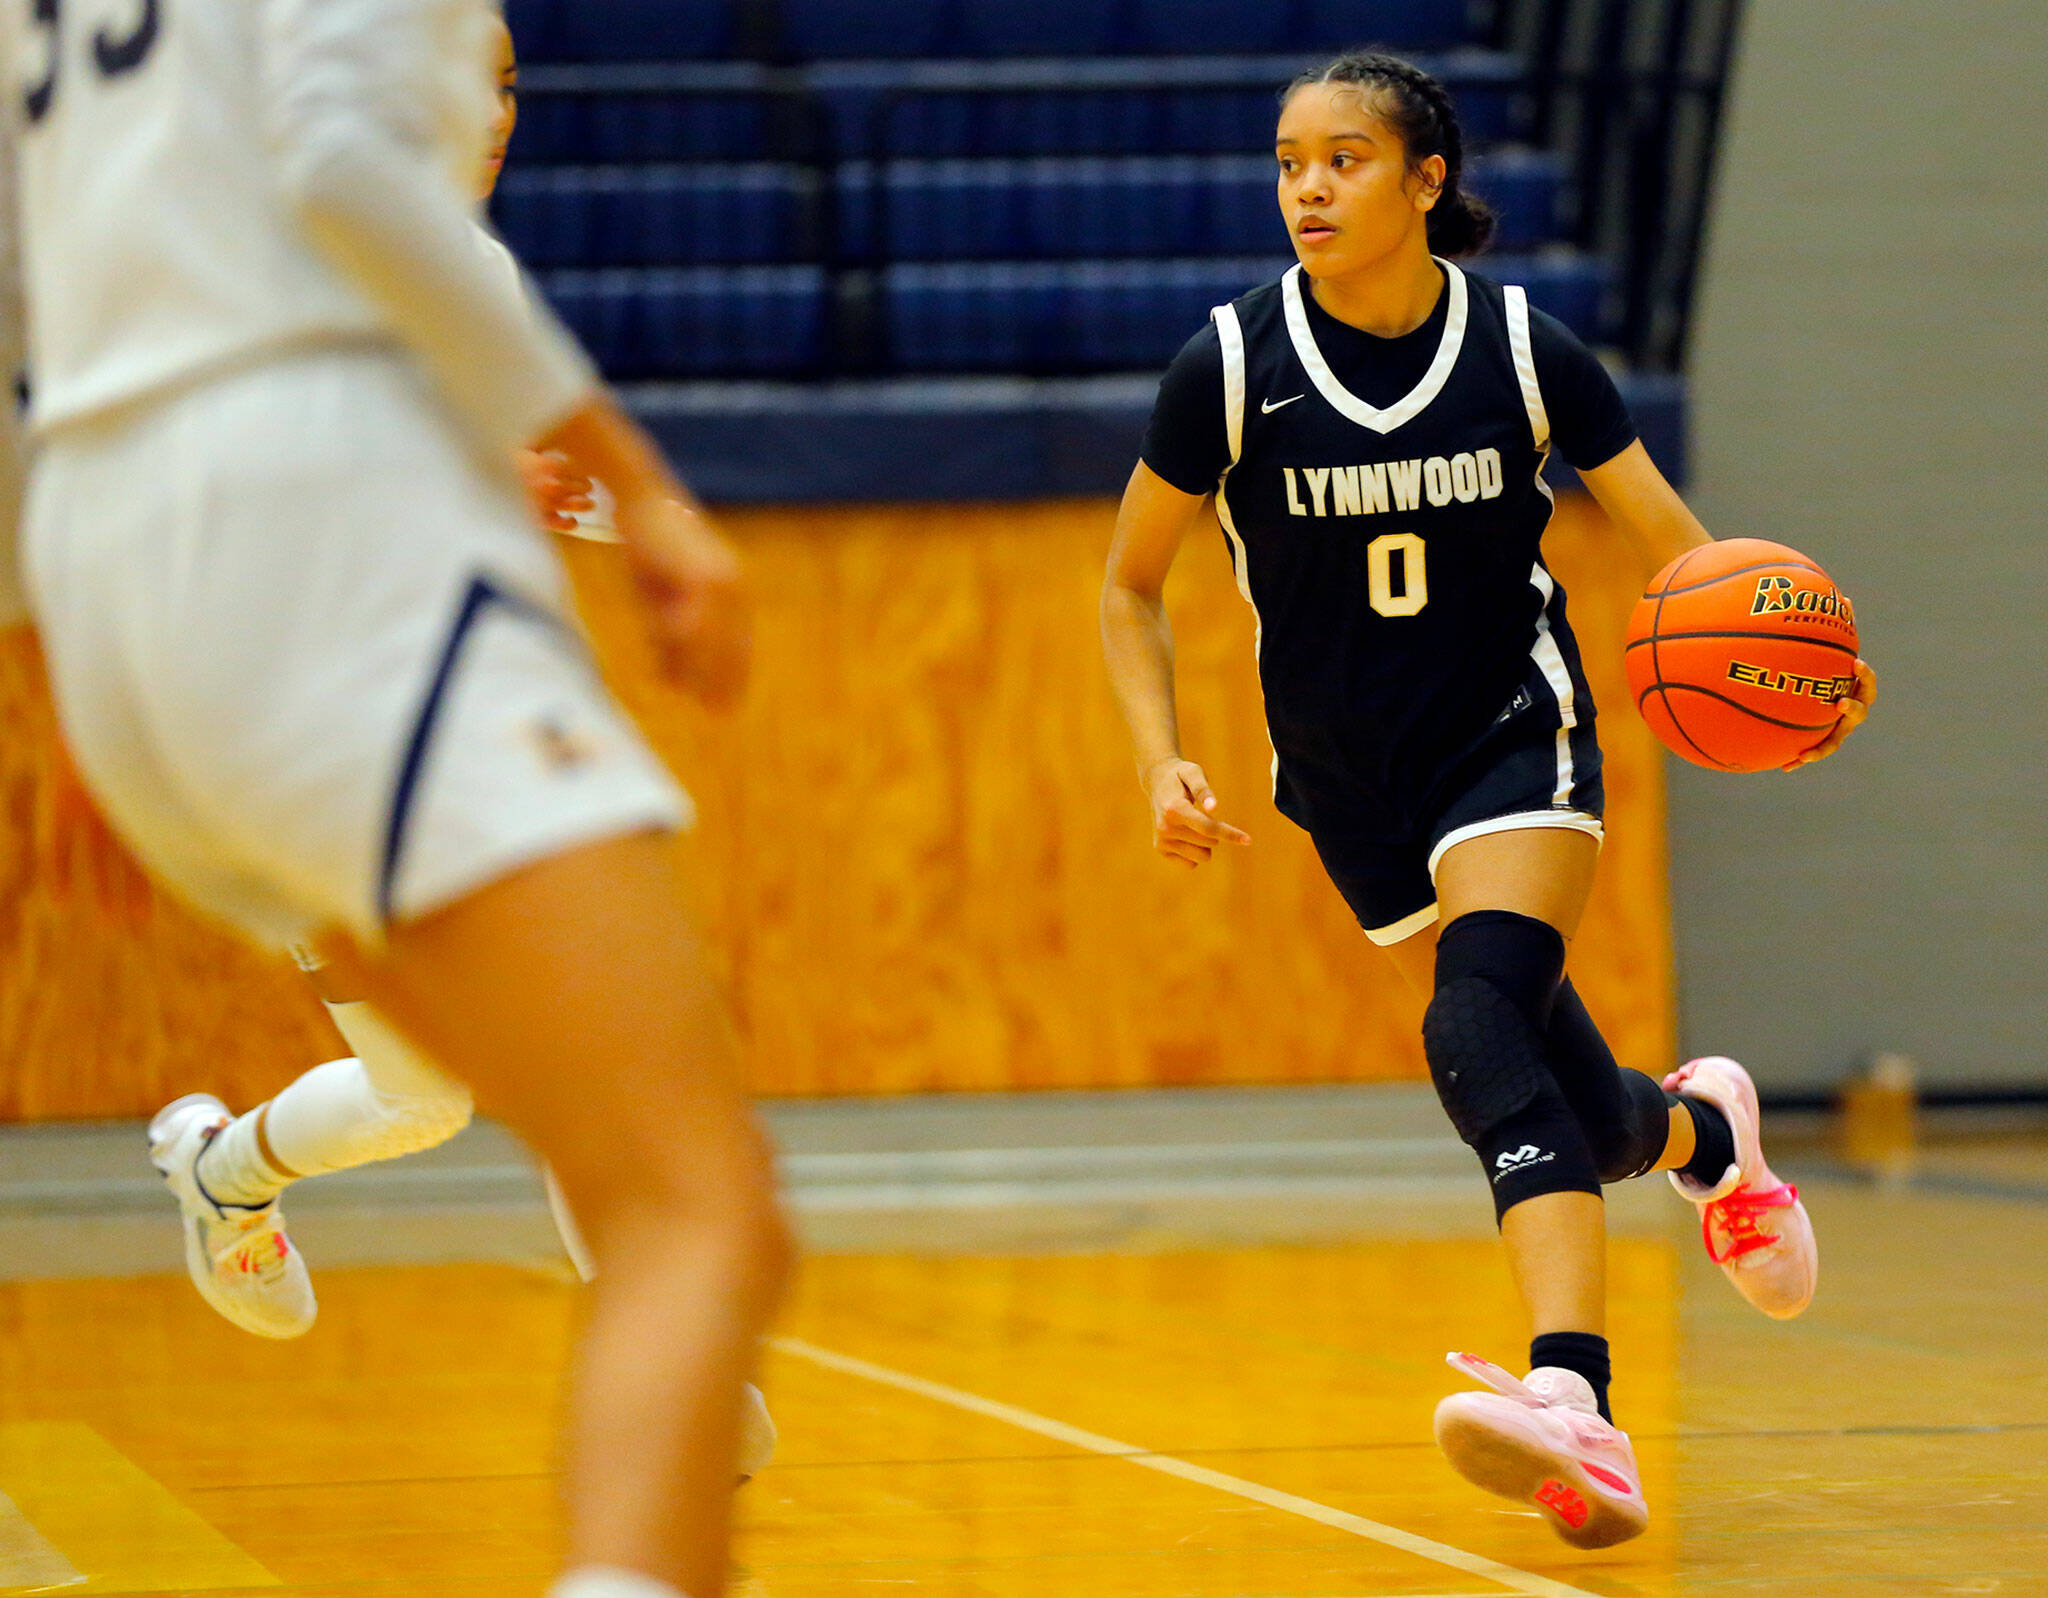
1379,572
115,54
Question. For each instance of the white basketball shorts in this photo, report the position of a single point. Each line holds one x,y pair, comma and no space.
314,659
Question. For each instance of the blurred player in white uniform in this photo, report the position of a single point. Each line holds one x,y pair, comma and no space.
386,1100
310,652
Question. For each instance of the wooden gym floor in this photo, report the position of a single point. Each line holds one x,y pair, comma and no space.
975,1425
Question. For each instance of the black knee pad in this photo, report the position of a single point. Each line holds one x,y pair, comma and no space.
1625,1114
1519,955
1483,1056
1487,1063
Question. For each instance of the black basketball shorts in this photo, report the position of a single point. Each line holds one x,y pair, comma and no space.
1528,770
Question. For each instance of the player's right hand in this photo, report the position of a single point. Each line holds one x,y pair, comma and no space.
558,492
695,596
1184,823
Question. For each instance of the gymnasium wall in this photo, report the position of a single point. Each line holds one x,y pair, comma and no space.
1869,386
924,855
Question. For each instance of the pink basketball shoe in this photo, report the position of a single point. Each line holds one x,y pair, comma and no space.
1756,1229
1542,1442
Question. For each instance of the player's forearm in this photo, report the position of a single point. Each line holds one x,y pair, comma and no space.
1646,508
1137,646
1666,534
388,222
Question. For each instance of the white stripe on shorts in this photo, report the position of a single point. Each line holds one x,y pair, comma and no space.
1568,820
1550,659
1404,929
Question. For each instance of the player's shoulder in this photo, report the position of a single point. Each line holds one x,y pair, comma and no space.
1485,292
1265,303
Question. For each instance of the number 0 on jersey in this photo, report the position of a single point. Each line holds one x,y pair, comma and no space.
1379,571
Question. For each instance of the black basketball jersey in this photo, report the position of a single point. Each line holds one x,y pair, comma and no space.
1392,555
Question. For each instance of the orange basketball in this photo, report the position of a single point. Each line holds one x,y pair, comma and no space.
1739,653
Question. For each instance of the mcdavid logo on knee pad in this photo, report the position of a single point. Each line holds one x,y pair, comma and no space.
1520,1159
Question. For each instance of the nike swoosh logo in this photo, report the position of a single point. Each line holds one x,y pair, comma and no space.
1268,407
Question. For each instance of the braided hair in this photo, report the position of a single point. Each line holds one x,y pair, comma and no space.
1419,109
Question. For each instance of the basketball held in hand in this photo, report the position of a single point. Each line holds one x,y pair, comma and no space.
1740,654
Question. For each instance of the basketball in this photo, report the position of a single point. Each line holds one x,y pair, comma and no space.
1739,654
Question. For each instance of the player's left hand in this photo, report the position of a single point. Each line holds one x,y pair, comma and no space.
558,491
1854,708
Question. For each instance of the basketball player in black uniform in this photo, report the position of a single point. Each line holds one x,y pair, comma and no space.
1372,430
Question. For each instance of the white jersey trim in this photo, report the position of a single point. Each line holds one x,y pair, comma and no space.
1519,341
1349,404
1230,334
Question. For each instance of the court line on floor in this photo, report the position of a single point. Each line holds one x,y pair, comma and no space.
1521,1581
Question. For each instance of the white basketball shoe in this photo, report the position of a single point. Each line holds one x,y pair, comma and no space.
239,1257
1541,1441
1756,1229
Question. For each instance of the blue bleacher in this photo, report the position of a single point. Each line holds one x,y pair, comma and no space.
1525,189
1208,27
1070,28
739,111
1104,316
1188,105
832,30
827,30
659,215
751,321
1413,24
709,189
622,30
1119,206
700,111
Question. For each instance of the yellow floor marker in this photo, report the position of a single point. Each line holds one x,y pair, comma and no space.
108,1523
28,1562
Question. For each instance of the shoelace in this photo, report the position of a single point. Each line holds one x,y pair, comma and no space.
1738,1215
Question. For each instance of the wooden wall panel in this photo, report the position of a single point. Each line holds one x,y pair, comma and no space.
924,854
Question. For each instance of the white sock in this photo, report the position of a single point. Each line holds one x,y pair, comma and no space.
232,1168
386,1101
603,1581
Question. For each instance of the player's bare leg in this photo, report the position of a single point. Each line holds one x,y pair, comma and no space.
758,1434
575,996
